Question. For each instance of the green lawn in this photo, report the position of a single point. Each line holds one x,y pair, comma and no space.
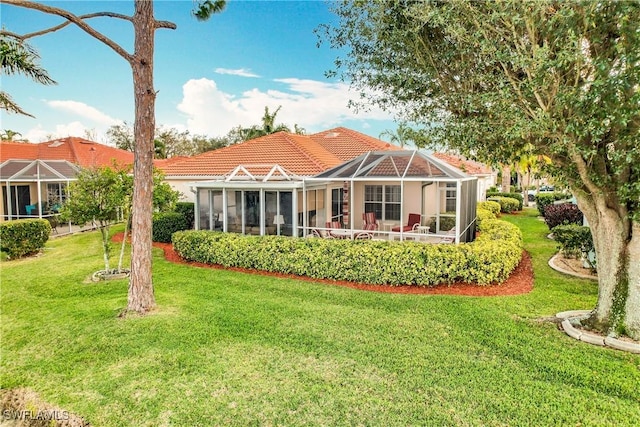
228,348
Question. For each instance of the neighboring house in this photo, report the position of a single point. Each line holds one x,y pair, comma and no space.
287,184
487,177
36,176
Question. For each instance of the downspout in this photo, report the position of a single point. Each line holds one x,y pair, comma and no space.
9,204
458,207
196,207
225,198
304,209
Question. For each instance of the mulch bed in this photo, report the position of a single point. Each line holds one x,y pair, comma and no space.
520,281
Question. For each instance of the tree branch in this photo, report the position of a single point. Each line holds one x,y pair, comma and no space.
66,23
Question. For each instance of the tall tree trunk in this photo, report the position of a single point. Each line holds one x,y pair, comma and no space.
141,298
506,179
617,244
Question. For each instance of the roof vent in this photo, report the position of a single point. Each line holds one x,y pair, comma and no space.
55,144
332,135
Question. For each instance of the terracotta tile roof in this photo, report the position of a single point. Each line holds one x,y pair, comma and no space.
76,150
470,167
347,144
304,155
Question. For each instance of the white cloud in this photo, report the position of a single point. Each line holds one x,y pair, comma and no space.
38,134
83,110
242,72
311,104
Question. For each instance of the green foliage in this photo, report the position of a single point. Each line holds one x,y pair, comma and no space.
517,196
562,214
491,206
574,240
488,260
23,237
545,199
167,223
507,204
164,197
483,215
187,210
446,223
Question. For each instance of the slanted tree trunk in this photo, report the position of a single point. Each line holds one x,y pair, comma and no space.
617,245
141,298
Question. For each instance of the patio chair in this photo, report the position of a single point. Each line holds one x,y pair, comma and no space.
334,225
450,236
370,222
412,223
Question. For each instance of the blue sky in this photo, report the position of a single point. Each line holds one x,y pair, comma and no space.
210,76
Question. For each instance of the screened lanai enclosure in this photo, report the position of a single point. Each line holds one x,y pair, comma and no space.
34,188
411,195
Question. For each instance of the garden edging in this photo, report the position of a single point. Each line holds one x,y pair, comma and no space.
567,317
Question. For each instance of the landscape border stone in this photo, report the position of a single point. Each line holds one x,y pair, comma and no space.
567,316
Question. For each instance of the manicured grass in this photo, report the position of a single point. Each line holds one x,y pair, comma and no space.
228,348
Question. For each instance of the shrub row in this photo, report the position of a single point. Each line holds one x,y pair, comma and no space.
562,214
507,204
24,237
491,206
490,259
546,199
517,196
483,215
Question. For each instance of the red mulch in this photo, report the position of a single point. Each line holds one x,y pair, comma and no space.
520,281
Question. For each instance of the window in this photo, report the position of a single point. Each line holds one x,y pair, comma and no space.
384,200
337,195
450,203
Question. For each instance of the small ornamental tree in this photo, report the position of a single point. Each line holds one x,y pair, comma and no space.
99,195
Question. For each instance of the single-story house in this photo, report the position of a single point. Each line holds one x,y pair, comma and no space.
34,177
487,177
296,185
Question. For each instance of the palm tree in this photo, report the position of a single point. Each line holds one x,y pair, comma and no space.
10,135
268,126
403,135
17,57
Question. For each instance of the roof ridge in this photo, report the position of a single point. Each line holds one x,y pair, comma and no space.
304,149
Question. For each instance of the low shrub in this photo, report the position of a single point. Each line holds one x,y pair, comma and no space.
483,215
167,223
187,209
545,199
507,204
491,206
574,240
562,214
517,196
488,260
23,237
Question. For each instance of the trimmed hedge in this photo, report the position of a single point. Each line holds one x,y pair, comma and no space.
187,209
507,204
483,215
24,237
574,240
491,206
490,259
167,223
562,214
517,196
546,199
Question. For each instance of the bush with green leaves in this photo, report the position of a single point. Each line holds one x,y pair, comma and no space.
446,223
483,215
187,210
491,206
167,223
517,196
574,240
545,199
23,237
562,214
490,259
507,204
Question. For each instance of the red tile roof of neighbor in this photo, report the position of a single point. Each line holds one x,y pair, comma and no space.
470,167
304,155
79,151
